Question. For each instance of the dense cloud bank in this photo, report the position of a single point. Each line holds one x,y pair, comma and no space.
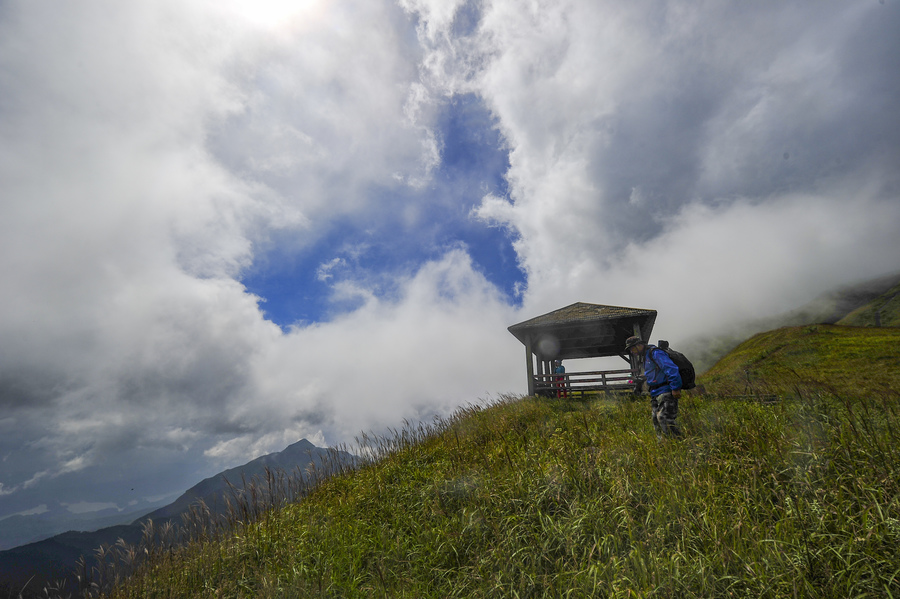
713,161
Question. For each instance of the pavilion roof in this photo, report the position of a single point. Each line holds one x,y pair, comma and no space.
583,330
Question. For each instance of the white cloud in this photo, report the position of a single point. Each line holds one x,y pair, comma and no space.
324,271
650,138
35,479
244,448
84,507
441,344
714,267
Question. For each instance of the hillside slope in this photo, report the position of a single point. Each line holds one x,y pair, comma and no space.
844,360
883,311
549,498
833,307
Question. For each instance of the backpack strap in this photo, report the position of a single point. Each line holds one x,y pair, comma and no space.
650,349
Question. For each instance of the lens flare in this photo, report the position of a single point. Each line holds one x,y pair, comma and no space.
548,346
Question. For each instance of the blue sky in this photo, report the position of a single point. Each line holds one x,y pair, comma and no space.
399,181
473,163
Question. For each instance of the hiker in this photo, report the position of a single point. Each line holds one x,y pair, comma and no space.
560,377
665,385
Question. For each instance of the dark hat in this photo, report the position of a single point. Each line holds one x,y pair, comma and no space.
632,341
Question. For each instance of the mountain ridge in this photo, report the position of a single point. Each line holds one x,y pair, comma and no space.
883,311
215,489
56,557
21,530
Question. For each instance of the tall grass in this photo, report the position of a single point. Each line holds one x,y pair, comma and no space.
250,502
551,498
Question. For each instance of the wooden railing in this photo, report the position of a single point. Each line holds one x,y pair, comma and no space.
580,382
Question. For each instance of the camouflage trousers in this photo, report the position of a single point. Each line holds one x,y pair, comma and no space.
664,409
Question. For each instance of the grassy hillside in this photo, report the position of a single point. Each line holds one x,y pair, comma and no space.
884,311
549,498
834,307
847,361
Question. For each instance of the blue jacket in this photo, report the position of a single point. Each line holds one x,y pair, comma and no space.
661,373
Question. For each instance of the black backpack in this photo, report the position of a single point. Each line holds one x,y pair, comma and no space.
685,368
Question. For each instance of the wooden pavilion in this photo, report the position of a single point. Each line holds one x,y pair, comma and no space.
582,331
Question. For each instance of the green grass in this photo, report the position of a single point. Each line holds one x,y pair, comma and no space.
552,498
841,360
887,306
538,498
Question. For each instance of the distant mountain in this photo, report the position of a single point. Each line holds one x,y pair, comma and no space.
20,530
214,490
25,570
56,558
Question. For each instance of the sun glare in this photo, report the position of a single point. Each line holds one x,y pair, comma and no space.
274,13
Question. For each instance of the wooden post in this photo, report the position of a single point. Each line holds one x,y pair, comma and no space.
542,370
529,367
635,361
545,370
548,370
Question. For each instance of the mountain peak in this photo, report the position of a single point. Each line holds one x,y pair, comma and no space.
303,444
